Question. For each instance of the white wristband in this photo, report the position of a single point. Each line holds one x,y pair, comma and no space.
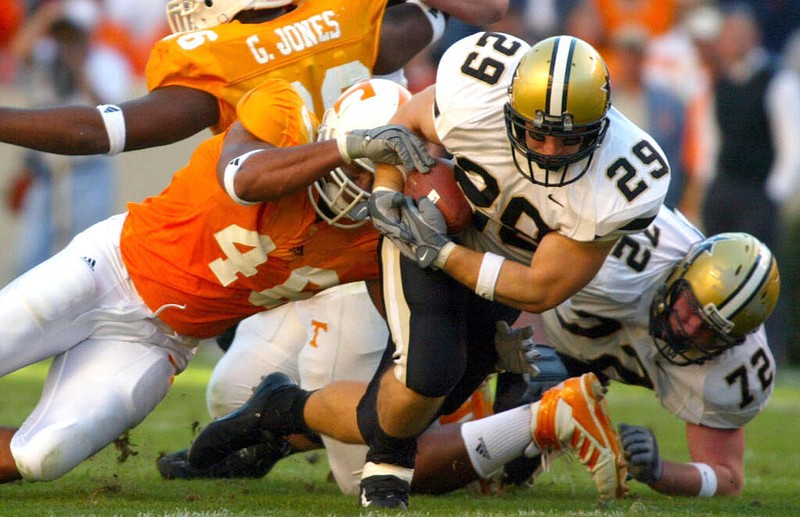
445,252
114,121
487,276
436,17
341,144
708,479
230,174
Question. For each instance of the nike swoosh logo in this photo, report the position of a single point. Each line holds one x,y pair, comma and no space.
554,200
424,256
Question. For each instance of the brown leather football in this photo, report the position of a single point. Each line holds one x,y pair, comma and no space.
440,186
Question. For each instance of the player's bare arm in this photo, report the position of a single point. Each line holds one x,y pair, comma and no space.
405,32
720,449
546,282
416,115
272,172
163,116
469,11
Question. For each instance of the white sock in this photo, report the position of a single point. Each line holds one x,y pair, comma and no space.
493,441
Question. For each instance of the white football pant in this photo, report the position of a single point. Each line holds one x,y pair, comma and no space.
113,361
335,335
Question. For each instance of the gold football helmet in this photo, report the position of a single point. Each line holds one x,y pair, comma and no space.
732,282
560,88
189,15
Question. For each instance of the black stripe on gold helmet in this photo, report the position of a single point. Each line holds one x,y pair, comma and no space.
560,88
733,283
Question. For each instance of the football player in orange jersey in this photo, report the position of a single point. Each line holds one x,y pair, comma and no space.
122,308
196,77
187,74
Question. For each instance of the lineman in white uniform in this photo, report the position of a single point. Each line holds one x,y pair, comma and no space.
606,327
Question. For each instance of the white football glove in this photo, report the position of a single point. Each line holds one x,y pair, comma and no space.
516,352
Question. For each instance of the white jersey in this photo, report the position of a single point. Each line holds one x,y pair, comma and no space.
626,181
605,325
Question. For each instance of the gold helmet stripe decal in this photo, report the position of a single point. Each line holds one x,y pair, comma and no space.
749,288
560,66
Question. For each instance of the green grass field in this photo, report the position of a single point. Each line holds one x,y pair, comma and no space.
124,481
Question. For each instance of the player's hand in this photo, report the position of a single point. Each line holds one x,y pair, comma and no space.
429,231
641,451
384,210
394,144
516,352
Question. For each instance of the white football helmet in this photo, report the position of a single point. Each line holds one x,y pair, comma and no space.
188,15
364,105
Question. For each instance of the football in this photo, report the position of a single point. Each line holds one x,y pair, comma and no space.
440,186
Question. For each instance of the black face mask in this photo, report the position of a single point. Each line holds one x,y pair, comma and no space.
676,345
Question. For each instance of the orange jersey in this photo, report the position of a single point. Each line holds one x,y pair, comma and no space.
321,47
210,262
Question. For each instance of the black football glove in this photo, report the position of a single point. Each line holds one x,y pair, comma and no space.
429,231
641,451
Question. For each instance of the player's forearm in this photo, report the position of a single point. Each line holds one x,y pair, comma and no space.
405,32
74,130
388,176
513,287
278,172
685,479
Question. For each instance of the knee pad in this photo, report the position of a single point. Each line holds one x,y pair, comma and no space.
55,449
93,394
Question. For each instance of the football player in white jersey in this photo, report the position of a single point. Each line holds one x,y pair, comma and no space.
716,372
576,176
672,312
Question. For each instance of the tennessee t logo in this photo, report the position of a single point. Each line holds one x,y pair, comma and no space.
318,325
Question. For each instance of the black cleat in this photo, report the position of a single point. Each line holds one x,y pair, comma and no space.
264,419
252,462
384,491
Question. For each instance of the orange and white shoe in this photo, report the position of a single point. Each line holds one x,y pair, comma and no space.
574,416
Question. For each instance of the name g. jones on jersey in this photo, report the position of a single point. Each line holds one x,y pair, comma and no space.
298,36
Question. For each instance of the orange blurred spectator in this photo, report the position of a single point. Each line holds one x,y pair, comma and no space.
656,16
682,61
133,28
11,16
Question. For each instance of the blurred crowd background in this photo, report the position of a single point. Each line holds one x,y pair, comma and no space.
717,83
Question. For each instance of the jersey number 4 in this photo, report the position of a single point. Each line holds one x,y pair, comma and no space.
238,263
